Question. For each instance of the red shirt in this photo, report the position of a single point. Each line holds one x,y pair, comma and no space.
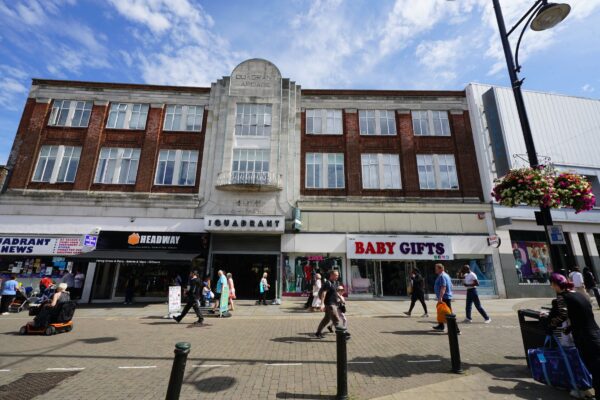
46,282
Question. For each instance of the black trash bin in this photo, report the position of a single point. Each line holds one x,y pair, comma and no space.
533,331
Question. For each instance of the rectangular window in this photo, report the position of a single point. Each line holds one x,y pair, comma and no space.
183,118
51,171
117,165
377,122
325,171
437,171
253,120
176,167
324,122
127,116
431,123
381,171
250,166
72,113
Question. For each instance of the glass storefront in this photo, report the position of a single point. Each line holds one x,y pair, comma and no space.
298,271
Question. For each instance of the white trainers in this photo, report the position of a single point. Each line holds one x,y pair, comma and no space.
487,321
467,321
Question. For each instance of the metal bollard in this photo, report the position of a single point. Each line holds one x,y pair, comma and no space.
453,339
342,363
182,349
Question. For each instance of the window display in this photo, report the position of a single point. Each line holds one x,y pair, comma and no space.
299,271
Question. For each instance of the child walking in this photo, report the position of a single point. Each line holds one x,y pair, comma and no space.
341,309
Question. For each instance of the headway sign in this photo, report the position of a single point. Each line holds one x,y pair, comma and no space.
397,247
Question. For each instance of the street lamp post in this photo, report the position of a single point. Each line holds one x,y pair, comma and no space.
541,16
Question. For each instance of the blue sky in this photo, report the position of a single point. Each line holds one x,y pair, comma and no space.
382,44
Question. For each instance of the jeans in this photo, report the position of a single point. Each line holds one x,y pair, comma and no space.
473,298
196,305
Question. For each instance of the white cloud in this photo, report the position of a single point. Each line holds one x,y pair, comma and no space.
11,87
588,88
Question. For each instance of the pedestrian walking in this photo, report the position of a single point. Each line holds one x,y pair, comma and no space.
221,281
310,299
316,303
9,292
129,289
417,292
575,307
207,294
263,288
341,308
578,282
329,301
78,281
231,290
194,294
69,279
443,291
590,285
471,282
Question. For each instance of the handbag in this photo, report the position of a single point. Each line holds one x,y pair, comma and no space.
560,367
442,311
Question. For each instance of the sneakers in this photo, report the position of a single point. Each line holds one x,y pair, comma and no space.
177,319
319,336
467,321
407,313
199,322
425,315
439,328
330,328
487,321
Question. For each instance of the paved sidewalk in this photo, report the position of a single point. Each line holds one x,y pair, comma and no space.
265,352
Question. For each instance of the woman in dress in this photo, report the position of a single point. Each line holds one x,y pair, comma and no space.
231,290
316,303
263,288
577,309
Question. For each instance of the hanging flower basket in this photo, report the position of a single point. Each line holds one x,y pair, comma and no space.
542,186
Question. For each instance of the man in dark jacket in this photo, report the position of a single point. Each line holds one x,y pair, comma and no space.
418,292
194,294
590,285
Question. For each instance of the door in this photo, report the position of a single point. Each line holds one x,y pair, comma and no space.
104,279
393,278
247,271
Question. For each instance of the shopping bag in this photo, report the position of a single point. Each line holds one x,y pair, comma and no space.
442,311
559,366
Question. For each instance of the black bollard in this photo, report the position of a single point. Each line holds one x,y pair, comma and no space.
341,337
453,339
182,349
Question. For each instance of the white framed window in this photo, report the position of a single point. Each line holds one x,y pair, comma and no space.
324,171
253,119
73,113
431,123
324,122
117,165
250,166
127,116
176,167
183,118
377,122
51,171
437,171
381,171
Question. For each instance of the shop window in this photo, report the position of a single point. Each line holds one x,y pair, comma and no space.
50,171
176,167
325,170
437,171
531,256
381,171
253,120
324,122
377,122
127,116
71,113
117,165
299,272
183,118
430,123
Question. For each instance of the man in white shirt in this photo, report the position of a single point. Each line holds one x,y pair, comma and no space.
577,278
471,282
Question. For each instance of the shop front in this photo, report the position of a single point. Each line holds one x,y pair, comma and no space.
30,258
145,262
246,246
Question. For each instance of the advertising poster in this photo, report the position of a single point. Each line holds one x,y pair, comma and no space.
174,299
224,302
532,261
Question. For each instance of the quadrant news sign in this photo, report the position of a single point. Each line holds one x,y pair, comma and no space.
399,247
40,245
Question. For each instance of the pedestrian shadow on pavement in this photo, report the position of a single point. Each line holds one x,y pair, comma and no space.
304,337
420,332
287,395
99,340
215,384
402,365
527,390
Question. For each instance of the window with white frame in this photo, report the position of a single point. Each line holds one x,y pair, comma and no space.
127,116
73,113
377,122
437,171
250,166
324,171
253,119
183,118
176,167
381,171
57,164
431,123
324,122
117,165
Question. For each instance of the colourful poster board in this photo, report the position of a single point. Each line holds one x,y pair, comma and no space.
224,301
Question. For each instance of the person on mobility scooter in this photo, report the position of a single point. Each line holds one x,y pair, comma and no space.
53,316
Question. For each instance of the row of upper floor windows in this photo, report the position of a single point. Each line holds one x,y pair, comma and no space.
59,164
251,119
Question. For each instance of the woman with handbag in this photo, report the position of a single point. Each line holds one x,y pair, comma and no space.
586,333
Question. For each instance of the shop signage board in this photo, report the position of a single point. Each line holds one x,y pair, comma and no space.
244,223
40,245
556,234
174,299
224,300
399,247
140,240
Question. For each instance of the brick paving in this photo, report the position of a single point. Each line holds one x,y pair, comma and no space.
267,353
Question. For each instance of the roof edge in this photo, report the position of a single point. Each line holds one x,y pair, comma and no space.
371,92
113,85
